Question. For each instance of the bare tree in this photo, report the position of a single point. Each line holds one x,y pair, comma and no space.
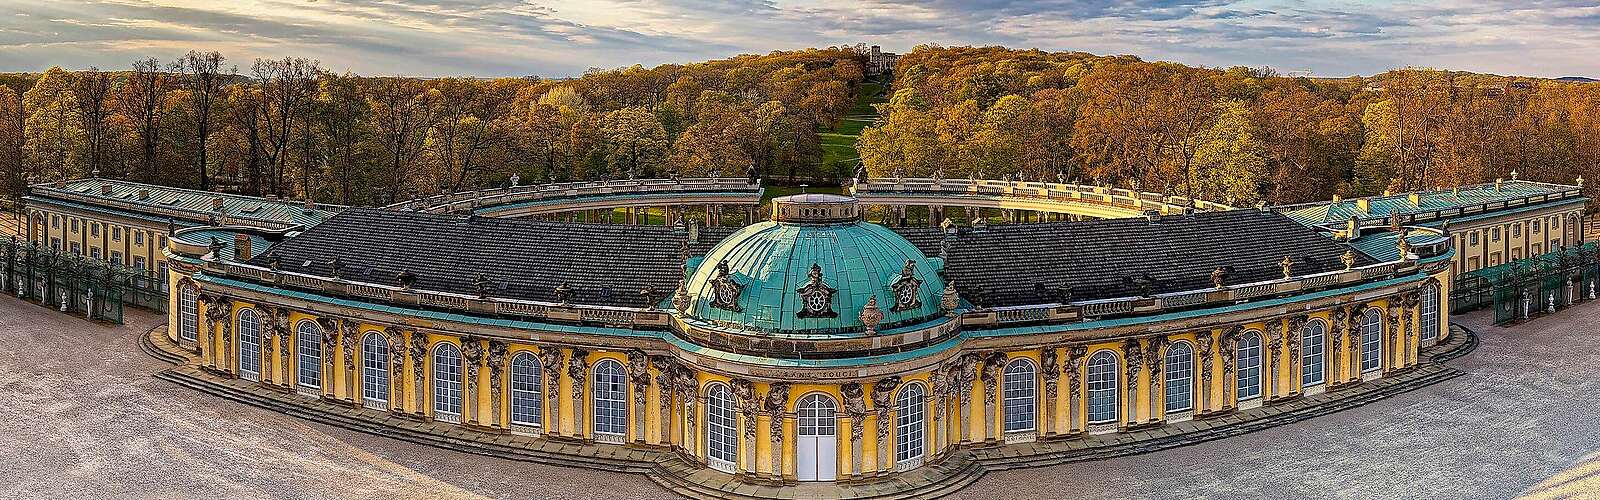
90,89
140,100
204,80
402,111
287,85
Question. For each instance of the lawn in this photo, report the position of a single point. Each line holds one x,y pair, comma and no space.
839,141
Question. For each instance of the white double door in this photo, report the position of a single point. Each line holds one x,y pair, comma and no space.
817,457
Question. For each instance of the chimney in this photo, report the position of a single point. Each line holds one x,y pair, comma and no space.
1497,182
1352,228
1416,199
241,247
310,205
1364,204
1336,198
216,203
105,190
144,194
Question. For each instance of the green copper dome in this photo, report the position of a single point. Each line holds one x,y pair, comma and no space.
813,270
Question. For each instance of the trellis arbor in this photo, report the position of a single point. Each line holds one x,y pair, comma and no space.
1524,288
73,284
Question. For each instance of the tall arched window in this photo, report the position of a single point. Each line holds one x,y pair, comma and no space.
1249,373
1020,400
308,347
249,345
188,314
1313,338
610,392
1429,313
447,368
910,411
722,428
375,372
1102,381
1180,377
527,384
1371,340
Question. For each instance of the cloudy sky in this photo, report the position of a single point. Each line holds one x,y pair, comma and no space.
563,38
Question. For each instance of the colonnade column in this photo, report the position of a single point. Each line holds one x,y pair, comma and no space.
776,404
1274,350
552,360
1051,371
882,404
855,406
1152,364
1074,369
1203,342
577,373
419,356
347,338
994,366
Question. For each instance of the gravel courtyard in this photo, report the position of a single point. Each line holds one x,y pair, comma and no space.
86,420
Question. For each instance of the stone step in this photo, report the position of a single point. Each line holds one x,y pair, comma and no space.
147,343
467,444
955,472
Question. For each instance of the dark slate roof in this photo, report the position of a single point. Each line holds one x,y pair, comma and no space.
1022,264
185,204
524,259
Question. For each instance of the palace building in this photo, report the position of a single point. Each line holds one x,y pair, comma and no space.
813,346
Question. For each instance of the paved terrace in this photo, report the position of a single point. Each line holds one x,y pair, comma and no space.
546,199
89,421
1046,197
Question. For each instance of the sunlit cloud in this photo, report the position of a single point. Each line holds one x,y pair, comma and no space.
567,37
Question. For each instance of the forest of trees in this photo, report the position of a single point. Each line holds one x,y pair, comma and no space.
1238,134
289,128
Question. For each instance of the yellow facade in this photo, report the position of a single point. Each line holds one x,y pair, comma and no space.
125,241
1060,399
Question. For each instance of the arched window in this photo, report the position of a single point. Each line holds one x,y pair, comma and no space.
375,372
308,347
188,314
1313,338
527,384
1020,404
1249,373
610,400
1102,381
447,368
1429,313
910,411
249,345
816,452
1371,340
1180,377
722,428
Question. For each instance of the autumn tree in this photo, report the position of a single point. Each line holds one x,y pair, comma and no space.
140,99
91,90
204,79
54,132
633,142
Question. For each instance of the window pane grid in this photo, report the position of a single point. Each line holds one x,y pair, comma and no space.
722,440
1019,396
1249,374
1430,313
909,410
1371,340
1102,380
1180,377
1312,337
610,398
188,314
447,379
249,345
375,368
526,386
308,339
817,416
